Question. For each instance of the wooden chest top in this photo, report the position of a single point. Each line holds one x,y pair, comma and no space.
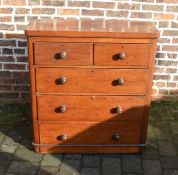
92,28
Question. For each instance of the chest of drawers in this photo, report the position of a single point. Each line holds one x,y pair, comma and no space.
90,84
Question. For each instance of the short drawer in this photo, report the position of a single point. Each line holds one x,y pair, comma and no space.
107,54
89,133
80,80
90,108
54,53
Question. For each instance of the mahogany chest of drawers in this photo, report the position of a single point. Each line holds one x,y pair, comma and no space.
91,83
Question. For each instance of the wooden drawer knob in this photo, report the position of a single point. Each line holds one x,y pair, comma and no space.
62,54
61,109
120,81
121,56
118,110
62,137
116,136
61,80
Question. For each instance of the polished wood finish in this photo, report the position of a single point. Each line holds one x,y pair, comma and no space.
91,82
76,53
107,54
89,133
90,108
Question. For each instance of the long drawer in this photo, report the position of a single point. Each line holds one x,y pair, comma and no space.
80,80
110,54
56,53
90,108
89,133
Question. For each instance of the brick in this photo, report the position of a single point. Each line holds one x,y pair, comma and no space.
167,1
170,172
7,27
7,51
128,6
74,12
47,170
5,18
70,166
22,59
167,63
164,40
52,160
171,70
9,95
144,0
163,24
170,33
6,80
141,15
90,171
6,58
14,66
5,88
21,88
34,2
172,8
5,158
173,91
171,84
14,3
78,3
27,155
160,55
22,11
174,25
172,55
22,167
152,167
131,163
161,77
105,5
19,18
91,161
164,16
15,35
117,13
72,156
7,43
163,91
6,10
153,7
43,10
114,165
169,162
92,12
22,43
19,51
53,2
175,40
160,84
167,148
172,48
5,74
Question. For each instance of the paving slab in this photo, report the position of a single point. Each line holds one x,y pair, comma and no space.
51,160
152,167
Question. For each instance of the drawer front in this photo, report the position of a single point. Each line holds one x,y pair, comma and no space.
121,54
90,108
76,80
51,53
89,133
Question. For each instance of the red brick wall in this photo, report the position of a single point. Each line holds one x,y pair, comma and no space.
15,15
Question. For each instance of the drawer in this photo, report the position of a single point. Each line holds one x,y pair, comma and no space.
80,80
90,108
89,133
106,54
53,53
